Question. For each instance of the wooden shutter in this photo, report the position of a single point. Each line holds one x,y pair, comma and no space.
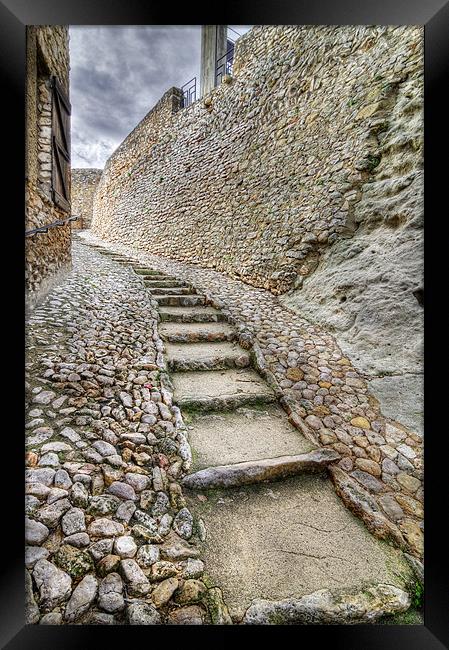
61,110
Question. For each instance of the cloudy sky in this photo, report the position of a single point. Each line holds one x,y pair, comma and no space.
117,74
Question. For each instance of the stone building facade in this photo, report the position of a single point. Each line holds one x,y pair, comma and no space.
84,185
47,180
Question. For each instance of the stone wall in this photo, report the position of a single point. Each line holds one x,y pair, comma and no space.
84,185
47,256
261,176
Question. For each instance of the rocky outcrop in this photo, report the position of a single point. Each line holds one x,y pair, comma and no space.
367,288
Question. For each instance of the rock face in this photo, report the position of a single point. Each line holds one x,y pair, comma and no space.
368,286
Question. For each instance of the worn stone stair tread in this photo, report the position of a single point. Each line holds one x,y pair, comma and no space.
206,355
262,470
170,291
287,539
204,350
243,435
186,314
143,270
155,282
192,332
218,389
184,301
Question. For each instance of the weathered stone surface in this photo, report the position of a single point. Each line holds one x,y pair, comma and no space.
147,555
104,504
83,186
33,554
325,607
192,591
104,527
73,560
183,523
261,470
164,591
142,614
110,594
32,614
101,548
54,585
125,546
73,522
193,568
138,584
191,615
364,505
81,599
51,515
52,618
35,532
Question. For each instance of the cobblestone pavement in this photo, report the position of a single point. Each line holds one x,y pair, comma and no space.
109,533
380,473
107,529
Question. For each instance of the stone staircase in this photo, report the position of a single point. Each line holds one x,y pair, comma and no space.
270,525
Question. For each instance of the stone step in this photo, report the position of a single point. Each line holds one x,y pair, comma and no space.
243,435
142,270
171,291
258,471
180,301
156,278
286,539
220,390
191,315
155,282
196,332
183,357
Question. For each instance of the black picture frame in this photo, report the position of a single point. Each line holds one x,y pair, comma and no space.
434,15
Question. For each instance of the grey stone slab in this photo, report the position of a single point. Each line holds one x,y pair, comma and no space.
220,386
288,539
189,332
248,434
202,356
191,314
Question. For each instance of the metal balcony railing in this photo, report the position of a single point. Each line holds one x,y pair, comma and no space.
189,92
225,62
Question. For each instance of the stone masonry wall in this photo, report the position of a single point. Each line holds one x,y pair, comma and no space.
47,256
261,176
84,185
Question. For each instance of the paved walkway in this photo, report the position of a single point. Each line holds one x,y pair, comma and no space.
123,511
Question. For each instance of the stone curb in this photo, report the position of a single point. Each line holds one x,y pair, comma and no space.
260,470
324,607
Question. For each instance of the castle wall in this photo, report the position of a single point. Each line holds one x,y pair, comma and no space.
263,174
84,185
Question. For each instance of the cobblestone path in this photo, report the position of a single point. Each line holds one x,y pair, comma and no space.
165,481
